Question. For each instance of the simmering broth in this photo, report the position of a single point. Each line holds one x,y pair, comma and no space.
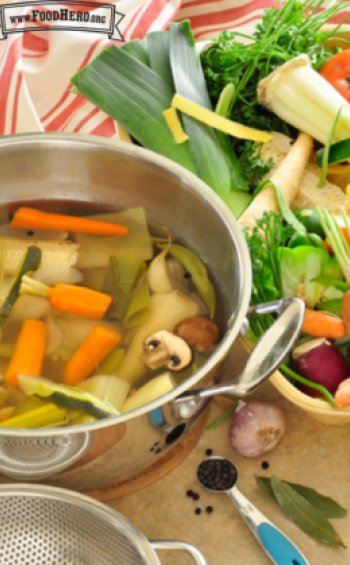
156,283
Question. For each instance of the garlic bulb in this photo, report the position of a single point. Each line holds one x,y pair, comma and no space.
257,427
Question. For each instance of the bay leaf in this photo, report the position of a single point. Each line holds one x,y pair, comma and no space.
264,484
329,507
308,518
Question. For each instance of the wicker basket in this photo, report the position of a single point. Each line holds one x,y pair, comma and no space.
318,409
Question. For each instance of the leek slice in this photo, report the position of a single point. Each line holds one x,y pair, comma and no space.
158,43
135,96
198,272
110,363
122,276
95,251
139,305
136,49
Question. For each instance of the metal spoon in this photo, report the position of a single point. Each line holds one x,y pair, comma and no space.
277,545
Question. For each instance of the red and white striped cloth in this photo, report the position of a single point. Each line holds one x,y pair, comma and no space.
36,67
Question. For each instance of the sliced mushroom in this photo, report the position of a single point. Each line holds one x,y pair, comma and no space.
164,349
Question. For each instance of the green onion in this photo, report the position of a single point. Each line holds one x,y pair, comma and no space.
337,239
306,382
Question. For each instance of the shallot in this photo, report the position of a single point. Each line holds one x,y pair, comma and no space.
257,427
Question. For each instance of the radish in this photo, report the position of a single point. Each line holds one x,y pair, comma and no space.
320,362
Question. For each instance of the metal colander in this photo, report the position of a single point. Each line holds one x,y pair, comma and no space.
43,525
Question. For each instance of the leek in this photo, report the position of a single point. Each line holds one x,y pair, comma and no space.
198,271
138,308
135,96
110,363
300,96
108,388
121,278
137,50
158,43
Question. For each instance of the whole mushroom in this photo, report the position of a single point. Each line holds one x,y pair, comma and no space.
200,333
164,349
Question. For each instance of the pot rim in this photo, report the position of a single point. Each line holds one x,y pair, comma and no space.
204,191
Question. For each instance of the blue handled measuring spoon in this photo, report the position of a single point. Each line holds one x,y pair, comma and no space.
218,474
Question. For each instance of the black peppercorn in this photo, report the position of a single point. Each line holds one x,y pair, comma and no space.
209,509
189,493
197,511
209,452
265,464
195,496
216,474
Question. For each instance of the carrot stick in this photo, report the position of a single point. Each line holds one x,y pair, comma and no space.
29,352
96,347
346,310
287,176
31,218
69,298
79,300
320,324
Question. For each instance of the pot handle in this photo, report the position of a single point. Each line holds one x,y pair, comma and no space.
268,354
169,544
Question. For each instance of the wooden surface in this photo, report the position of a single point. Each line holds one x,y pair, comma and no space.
310,453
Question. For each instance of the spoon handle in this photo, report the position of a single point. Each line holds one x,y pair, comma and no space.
278,547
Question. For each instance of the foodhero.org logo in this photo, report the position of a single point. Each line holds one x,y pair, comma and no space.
22,17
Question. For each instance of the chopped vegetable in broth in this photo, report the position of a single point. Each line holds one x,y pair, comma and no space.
92,317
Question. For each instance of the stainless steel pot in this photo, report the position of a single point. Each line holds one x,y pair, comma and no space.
74,172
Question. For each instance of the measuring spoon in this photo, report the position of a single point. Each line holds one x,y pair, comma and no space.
218,474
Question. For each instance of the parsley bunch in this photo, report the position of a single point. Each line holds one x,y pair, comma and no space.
285,32
263,243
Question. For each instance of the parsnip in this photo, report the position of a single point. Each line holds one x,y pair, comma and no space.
287,176
152,390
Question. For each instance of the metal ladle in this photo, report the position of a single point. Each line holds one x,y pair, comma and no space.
277,545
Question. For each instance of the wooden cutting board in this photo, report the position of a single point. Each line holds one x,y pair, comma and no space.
310,453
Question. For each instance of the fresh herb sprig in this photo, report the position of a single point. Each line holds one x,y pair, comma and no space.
253,165
285,32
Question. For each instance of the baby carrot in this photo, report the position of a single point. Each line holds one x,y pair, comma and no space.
96,347
320,324
29,352
346,310
31,218
342,394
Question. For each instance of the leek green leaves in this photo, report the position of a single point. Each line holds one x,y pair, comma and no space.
135,84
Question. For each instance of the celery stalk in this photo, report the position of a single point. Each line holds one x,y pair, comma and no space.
135,96
38,418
